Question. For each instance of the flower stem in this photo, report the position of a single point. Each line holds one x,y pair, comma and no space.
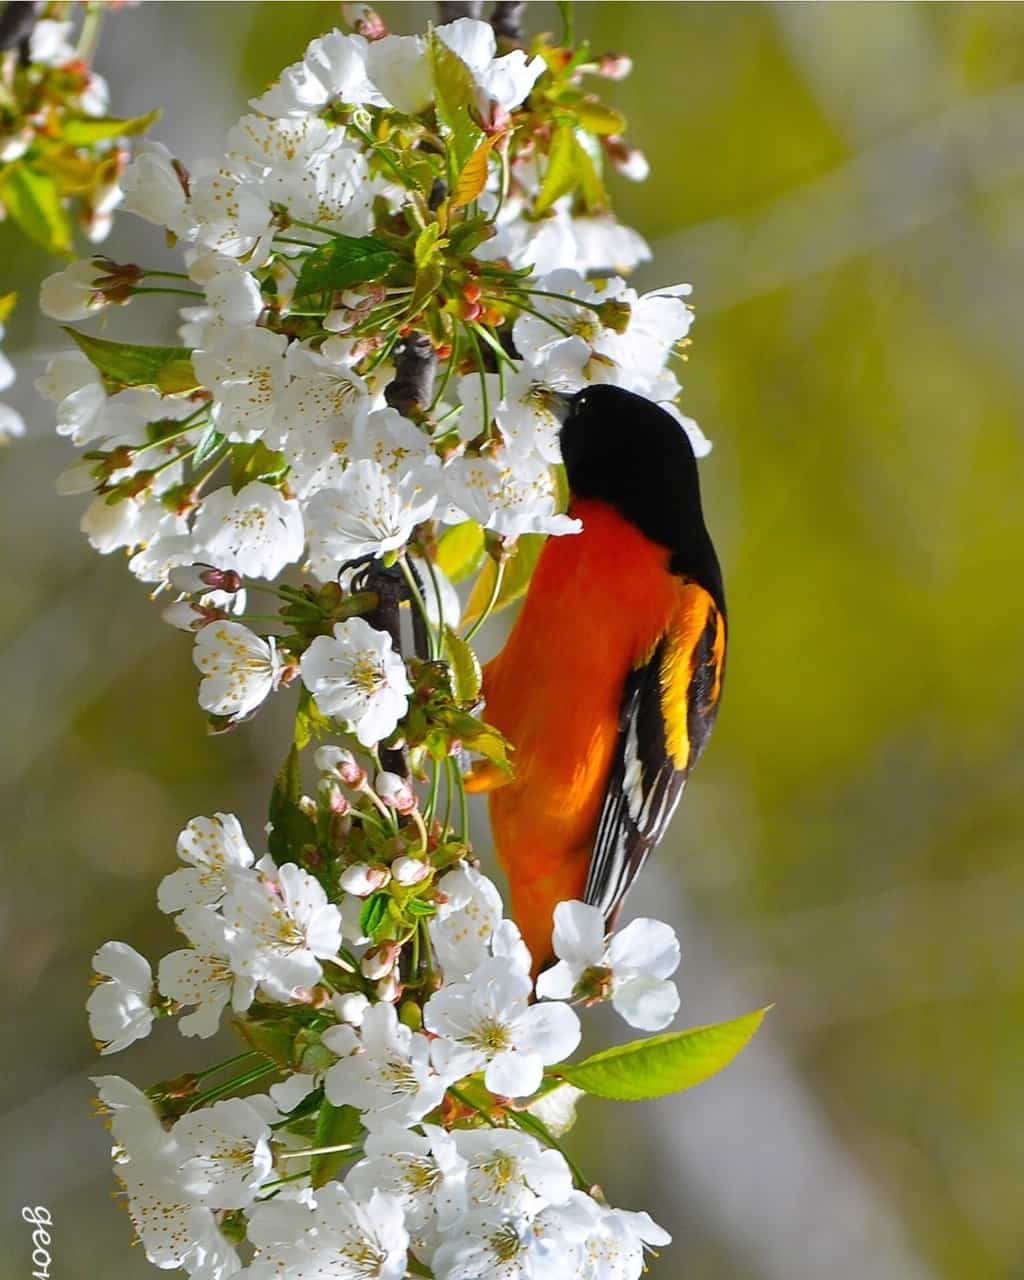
499,574
238,1082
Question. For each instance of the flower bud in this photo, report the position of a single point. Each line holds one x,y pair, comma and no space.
351,1007
395,792
380,961
388,989
410,870
411,1015
307,805
343,763
614,66
361,879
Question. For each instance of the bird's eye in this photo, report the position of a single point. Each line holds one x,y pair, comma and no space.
581,402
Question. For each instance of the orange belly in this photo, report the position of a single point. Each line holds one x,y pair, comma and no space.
596,606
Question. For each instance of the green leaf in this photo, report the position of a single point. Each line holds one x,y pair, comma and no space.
255,461
81,131
210,441
124,364
292,829
428,243
473,178
454,96
663,1064
465,667
337,1126
595,117
518,572
562,172
570,168
344,261
33,201
374,913
310,721
481,738
460,550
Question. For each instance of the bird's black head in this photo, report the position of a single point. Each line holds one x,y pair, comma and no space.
625,450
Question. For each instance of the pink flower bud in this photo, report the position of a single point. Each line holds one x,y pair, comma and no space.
351,1007
388,989
380,961
395,792
343,763
614,66
410,870
361,879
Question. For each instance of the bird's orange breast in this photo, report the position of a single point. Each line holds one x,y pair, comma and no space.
597,605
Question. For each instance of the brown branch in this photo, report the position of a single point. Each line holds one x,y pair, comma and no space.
507,20
450,10
17,23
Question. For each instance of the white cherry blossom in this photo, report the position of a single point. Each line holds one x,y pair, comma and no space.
239,669
226,1150
283,926
356,676
366,514
204,974
486,1024
636,963
255,531
245,370
391,1078
214,848
120,1007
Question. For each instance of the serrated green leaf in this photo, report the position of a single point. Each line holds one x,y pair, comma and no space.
561,174
125,364
344,261
374,913
473,178
460,550
291,828
337,1126
516,578
595,117
454,97
82,131
255,461
274,1039
663,1064
481,738
33,201
310,721
570,168
465,667
210,441
428,242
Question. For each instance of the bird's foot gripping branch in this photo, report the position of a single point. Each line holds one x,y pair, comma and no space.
378,323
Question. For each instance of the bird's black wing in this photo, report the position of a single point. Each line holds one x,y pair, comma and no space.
668,708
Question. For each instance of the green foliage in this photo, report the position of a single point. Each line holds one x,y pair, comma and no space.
514,582
659,1065
465,665
342,262
461,550
255,461
126,364
32,198
455,96
336,1126
81,131
291,828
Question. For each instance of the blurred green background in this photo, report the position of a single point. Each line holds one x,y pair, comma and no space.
844,186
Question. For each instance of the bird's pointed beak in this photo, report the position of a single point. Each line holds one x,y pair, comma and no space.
559,403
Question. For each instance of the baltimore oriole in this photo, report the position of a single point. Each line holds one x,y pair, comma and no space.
610,680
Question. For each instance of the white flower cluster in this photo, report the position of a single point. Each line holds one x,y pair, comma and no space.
12,424
313,252
224,1186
